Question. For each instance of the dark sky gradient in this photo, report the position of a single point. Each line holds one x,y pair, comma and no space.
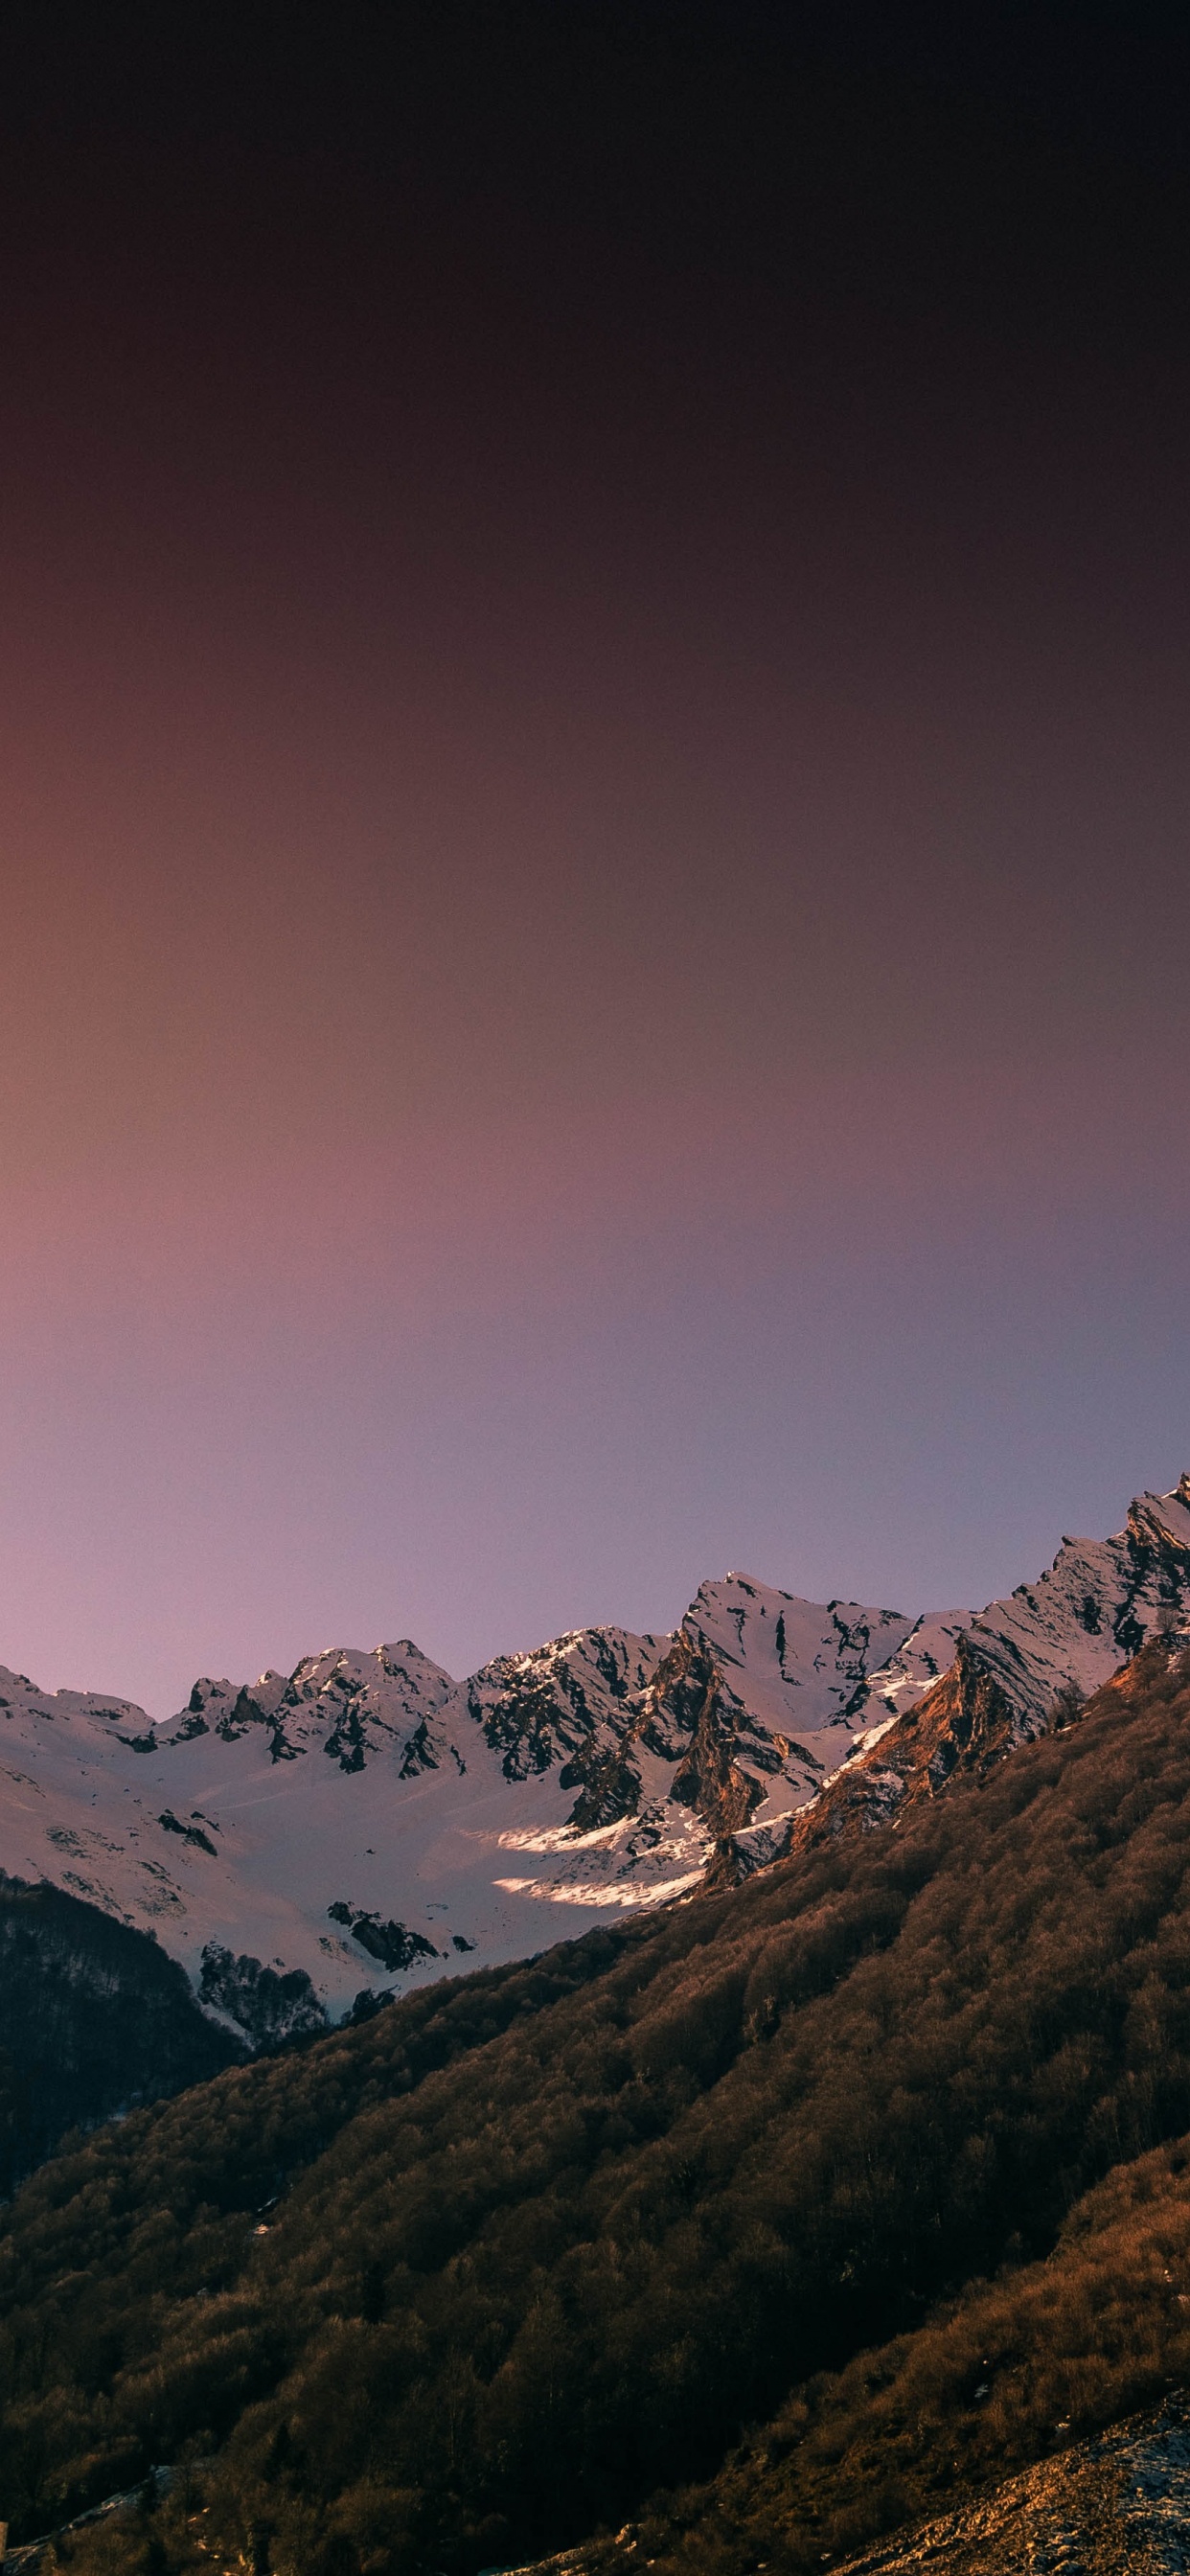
594,783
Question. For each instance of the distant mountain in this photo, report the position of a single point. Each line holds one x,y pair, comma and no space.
367,1820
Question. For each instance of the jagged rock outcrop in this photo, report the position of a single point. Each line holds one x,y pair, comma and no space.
346,1705
966,1723
393,1944
268,2005
569,1706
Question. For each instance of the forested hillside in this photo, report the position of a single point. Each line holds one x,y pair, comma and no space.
547,2241
93,2019
1006,2372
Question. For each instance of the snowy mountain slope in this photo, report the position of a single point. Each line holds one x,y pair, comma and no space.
234,1835
928,1651
1096,1605
798,1668
366,1819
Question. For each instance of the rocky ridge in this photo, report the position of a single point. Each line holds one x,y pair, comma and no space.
1024,1665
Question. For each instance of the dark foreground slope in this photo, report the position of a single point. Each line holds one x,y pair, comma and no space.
1037,2361
1114,2503
663,2180
93,2018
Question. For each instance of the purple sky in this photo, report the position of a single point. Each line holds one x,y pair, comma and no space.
594,781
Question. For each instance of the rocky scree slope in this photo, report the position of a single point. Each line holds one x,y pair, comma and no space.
367,1820
1115,2504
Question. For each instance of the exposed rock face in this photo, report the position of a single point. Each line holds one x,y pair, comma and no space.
347,1705
568,1706
268,2005
966,1723
393,1944
709,1777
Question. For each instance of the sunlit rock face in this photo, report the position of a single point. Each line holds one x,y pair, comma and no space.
367,1821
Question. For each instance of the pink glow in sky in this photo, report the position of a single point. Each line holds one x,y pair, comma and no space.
593,896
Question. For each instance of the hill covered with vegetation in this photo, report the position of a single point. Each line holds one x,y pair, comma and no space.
538,2252
94,2018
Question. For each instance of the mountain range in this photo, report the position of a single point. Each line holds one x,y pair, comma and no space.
739,2234
296,1841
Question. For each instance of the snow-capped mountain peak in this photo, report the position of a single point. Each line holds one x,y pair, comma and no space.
342,1702
799,1667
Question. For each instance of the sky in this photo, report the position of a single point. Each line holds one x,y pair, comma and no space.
594,799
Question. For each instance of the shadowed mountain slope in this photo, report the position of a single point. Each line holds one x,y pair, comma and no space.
93,2019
